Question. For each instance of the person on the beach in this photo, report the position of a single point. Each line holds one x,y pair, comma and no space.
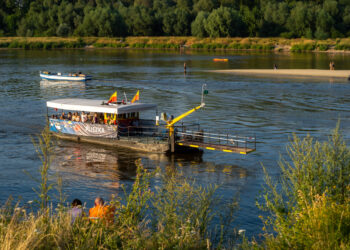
275,66
331,65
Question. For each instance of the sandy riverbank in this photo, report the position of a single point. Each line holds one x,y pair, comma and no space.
288,72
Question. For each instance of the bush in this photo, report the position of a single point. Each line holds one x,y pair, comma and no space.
310,206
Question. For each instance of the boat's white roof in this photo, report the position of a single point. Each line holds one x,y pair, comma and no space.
89,105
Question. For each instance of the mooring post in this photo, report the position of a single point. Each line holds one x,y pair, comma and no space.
172,142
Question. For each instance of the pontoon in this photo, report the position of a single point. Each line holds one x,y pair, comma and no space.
121,124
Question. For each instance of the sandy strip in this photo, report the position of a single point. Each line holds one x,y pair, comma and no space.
288,72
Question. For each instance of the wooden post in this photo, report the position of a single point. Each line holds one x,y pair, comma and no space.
172,142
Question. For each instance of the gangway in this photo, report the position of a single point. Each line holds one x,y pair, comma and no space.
211,141
214,141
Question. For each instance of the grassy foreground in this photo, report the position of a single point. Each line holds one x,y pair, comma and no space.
308,207
264,44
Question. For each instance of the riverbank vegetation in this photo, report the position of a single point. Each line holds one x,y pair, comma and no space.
193,43
201,18
308,207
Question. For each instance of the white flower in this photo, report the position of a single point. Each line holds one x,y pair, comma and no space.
241,231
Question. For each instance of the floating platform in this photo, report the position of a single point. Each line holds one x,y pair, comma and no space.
314,73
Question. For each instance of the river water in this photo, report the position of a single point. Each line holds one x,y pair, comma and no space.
271,109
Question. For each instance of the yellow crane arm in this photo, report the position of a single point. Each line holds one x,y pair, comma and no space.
175,120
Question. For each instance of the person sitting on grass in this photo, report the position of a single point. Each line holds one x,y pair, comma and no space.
76,211
101,211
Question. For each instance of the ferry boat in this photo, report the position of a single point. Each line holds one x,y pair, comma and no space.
121,124
45,75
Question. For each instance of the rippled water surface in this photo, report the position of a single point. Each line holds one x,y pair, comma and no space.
272,109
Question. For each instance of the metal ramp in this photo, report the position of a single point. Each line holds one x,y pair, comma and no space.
213,141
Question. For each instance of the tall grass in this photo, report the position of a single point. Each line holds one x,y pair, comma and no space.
174,214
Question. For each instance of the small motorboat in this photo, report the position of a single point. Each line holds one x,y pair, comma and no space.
45,75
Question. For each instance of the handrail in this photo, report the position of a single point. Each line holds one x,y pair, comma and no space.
219,138
224,135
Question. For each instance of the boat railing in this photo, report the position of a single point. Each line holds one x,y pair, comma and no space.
222,139
147,133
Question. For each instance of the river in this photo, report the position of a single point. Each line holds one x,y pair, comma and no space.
270,109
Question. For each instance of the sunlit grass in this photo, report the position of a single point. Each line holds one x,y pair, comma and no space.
235,43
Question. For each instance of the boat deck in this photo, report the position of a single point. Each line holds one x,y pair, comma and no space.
211,146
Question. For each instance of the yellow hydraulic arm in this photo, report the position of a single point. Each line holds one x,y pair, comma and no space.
171,123
180,117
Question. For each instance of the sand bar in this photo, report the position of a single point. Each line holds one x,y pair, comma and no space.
288,72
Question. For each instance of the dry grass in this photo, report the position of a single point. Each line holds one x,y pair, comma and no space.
251,43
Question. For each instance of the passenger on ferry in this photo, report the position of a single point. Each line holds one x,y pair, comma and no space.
63,116
113,119
106,118
77,117
69,116
101,211
95,120
84,117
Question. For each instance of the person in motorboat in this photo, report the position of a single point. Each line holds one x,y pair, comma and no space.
69,116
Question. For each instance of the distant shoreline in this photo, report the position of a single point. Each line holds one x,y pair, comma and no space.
340,45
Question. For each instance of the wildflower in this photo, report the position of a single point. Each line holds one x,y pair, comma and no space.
241,231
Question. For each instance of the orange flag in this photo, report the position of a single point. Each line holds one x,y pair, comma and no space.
136,97
113,98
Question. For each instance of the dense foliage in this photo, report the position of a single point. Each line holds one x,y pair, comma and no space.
309,207
215,18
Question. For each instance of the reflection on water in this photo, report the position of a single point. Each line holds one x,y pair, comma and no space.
49,88
94,164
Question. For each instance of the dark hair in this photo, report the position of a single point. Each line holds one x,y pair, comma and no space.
76,202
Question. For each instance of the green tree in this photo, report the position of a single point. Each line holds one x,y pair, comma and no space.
205,5
182,25
169,21
198,25
301,20
224,22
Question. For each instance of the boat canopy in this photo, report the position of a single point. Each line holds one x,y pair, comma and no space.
99,106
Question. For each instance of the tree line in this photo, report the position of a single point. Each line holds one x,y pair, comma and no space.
318,19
